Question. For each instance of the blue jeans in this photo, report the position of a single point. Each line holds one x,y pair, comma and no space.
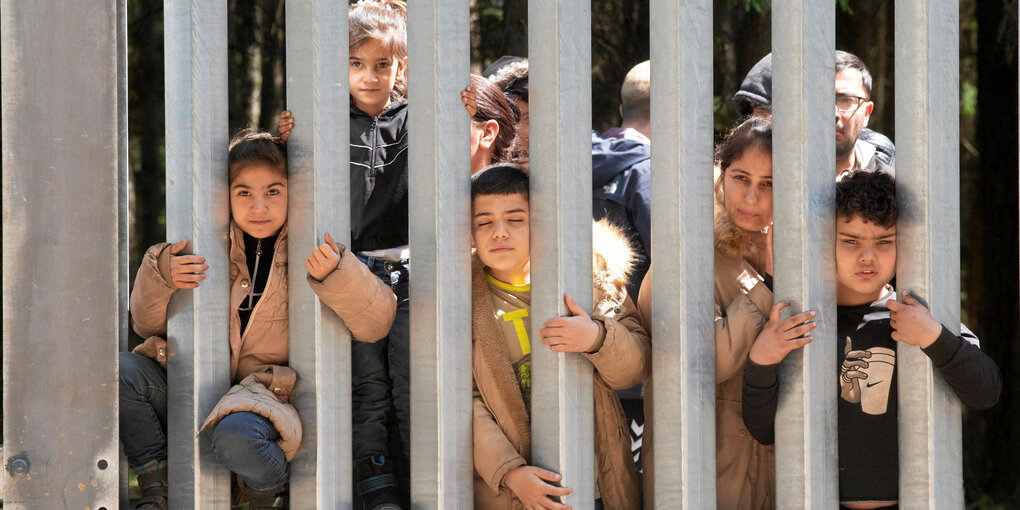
142,409
244,442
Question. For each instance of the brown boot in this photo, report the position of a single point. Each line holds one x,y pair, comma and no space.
268,499
152,480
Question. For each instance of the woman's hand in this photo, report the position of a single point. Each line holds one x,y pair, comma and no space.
577,333
470,99
186,270
528,483
779,337
324,259
286,125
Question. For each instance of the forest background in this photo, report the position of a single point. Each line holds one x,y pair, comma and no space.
742,35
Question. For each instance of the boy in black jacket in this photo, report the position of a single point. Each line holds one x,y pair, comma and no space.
869,323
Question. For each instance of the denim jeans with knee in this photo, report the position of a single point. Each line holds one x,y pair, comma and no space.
246,444
381,372
142,409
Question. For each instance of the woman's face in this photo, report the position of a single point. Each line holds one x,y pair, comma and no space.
747,189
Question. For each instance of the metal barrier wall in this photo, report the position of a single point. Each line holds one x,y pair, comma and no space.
683,357
81,181
62,126
318,162
928,249
440,228
804,162
562,435
197,208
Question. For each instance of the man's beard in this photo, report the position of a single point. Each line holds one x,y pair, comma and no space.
843,149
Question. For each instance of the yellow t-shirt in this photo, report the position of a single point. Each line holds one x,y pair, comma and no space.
512,304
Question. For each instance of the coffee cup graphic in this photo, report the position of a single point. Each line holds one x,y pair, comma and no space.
876,387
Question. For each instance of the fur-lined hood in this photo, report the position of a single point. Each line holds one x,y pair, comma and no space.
612,261
510,73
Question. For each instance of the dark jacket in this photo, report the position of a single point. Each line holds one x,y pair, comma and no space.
379,178
865,378
621,192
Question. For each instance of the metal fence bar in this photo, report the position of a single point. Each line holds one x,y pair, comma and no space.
123,214
683,358
804,162
561,394
441,443
198,367
928,185
61,157
319,191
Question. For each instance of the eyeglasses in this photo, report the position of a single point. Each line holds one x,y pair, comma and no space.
849,104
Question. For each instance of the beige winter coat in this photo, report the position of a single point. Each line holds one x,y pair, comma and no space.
745,474
261,351
502,427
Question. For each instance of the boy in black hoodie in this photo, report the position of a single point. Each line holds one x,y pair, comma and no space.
869,323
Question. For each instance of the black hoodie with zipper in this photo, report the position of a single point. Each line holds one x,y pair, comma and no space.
379,178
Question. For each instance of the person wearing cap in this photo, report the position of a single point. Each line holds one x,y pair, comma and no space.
857,147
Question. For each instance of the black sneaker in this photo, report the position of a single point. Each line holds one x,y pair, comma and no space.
377,485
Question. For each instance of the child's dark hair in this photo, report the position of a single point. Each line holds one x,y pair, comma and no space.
385,21
500,179
753,132
250,146
870,196
493,105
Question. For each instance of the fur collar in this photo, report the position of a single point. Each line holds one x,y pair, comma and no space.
612,261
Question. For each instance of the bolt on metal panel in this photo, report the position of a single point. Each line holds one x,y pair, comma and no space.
61,156
928,256
319,184
804,162
683,358
441,443
197,208
561,393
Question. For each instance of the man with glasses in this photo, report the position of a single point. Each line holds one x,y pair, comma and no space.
857,148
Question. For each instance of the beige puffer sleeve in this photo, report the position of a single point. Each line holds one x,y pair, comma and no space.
151,293
737,329
495,455
361,299
624,359
736,325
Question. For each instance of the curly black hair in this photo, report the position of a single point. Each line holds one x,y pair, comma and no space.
870,196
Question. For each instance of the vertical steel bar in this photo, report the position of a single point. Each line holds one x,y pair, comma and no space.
61,157
683,358
441,444
319,191
561,393
123,167
123,216
928,177
198,368
804,162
